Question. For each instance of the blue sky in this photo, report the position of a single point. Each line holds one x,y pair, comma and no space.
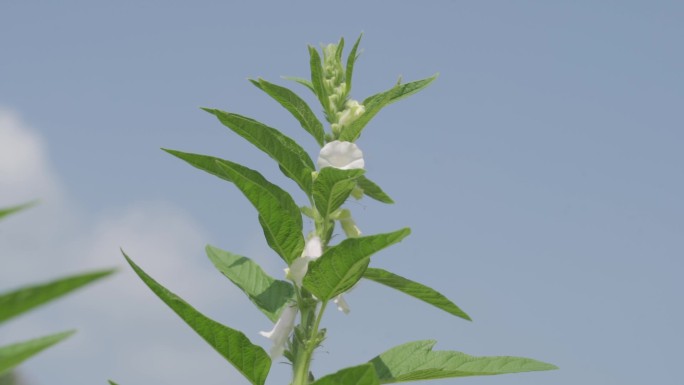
539,173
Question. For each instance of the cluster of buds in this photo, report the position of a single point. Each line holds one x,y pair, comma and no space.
342,112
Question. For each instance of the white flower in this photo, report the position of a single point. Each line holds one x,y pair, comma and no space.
297,270
342,155
281,331
341,304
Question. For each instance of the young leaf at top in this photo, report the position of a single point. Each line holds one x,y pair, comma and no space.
351,60
415,289
416,361
293,159
373,191
356,375
341,266
251,360
268,294
279,216
15,209
332,188
27,298
378,101
297,107
306,83
15,354
317,80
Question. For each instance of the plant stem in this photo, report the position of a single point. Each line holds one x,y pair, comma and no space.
305,354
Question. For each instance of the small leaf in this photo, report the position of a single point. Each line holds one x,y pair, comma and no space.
268,294
24,299
297,107
293,159
279,216
15,209
332,188
112,382
351,60
251,360
356,375
341,266
415,361
306,83
373,191
317,80
378,101
415,290
15,354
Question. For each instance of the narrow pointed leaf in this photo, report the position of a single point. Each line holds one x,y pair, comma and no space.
15,354
249,359
378,101
332,188
357,375
112,382
416,290
341,266
15,209
403,90
279,216
24,299
372,190
297,107
351,60
306,83
416,361
293,159
317,80
340,48
268,294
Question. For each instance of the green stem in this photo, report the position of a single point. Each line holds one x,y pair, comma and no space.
305,353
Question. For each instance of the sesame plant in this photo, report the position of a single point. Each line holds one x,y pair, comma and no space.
21,300
318,268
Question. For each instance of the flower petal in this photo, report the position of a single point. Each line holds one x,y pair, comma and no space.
342,305
342,155
281,331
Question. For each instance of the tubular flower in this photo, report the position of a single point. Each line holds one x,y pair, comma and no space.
342,155
297,270
281,331
342,305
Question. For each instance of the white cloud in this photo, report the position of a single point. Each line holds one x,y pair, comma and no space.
125,333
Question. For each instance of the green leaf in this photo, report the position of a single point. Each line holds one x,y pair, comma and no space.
279,216
373,191
15,354
297,107
416,290
341,266
415,361
351,59
378,101
357,375
293,159
15,209
24,299
332,188
317,80
338,51
251,360
268,294
112,382
306,83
